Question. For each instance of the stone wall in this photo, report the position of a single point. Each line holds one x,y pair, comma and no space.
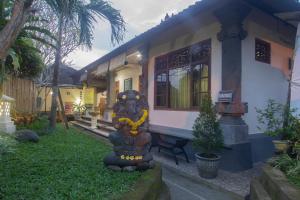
273,185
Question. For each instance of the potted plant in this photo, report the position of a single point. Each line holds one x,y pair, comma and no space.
277,120
208,139
78,109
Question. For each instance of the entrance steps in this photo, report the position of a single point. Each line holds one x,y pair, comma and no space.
103,129
273,185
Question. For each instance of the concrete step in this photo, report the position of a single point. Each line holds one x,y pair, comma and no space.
106,128
88,128
257,191
100,126
104,122
277,186
84,122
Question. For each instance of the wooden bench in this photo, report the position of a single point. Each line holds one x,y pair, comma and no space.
175,148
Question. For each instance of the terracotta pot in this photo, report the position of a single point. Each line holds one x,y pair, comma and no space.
207,167
281,146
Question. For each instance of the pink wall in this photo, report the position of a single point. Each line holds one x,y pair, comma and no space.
280,56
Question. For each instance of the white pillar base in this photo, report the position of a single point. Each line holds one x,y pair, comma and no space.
7,127
94,122
107,115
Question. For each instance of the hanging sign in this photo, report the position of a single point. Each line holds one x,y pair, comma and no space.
225,96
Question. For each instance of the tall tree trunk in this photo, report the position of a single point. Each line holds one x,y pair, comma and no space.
56,66
9,33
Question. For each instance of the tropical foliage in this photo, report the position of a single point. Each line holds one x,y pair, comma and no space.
81,16
207,133
23,58
271,121
288,165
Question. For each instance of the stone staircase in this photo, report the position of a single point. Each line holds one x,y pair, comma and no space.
272,185
104,128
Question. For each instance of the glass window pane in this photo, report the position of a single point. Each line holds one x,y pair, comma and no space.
160,100
128,84
179,81
204,85
204,71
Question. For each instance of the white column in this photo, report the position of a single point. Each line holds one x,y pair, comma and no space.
110,96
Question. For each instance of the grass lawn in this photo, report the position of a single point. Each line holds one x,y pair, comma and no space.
63,165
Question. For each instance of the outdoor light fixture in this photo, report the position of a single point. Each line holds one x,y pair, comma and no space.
78,101
139,55
6,124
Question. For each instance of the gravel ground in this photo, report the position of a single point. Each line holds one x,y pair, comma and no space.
238,183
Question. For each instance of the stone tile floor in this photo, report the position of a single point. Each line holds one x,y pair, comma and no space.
236,183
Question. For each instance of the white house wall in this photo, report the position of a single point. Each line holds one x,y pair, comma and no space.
184,119
261,81
132,71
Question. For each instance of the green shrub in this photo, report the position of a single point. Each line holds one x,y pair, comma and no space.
271,118
40,126
283,162
289,166
278,119
207,133
7,144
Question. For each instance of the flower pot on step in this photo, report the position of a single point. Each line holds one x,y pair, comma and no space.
281,146
207,167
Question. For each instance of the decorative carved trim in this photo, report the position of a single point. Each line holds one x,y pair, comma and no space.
231,17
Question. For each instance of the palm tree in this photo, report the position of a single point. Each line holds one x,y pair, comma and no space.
22,46
82,15
20,11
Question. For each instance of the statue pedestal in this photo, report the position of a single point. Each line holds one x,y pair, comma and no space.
238,155
235,130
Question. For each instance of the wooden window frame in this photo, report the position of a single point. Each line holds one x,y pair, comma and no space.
205,60
268,47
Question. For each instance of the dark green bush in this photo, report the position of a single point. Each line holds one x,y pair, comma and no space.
291,167
40,126
207,133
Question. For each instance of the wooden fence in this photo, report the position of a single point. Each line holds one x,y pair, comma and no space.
24,92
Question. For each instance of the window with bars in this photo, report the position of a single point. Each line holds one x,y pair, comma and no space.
262,51
182,77
128,84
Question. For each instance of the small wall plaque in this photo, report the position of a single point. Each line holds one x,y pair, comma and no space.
225,96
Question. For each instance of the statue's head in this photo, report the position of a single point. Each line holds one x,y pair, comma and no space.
131,107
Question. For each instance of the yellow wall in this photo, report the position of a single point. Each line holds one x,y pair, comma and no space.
69,95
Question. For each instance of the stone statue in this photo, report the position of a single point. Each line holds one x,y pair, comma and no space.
130,141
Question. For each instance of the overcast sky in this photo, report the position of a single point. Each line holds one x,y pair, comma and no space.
140,15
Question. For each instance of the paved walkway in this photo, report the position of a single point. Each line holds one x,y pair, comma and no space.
236,183
185,189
